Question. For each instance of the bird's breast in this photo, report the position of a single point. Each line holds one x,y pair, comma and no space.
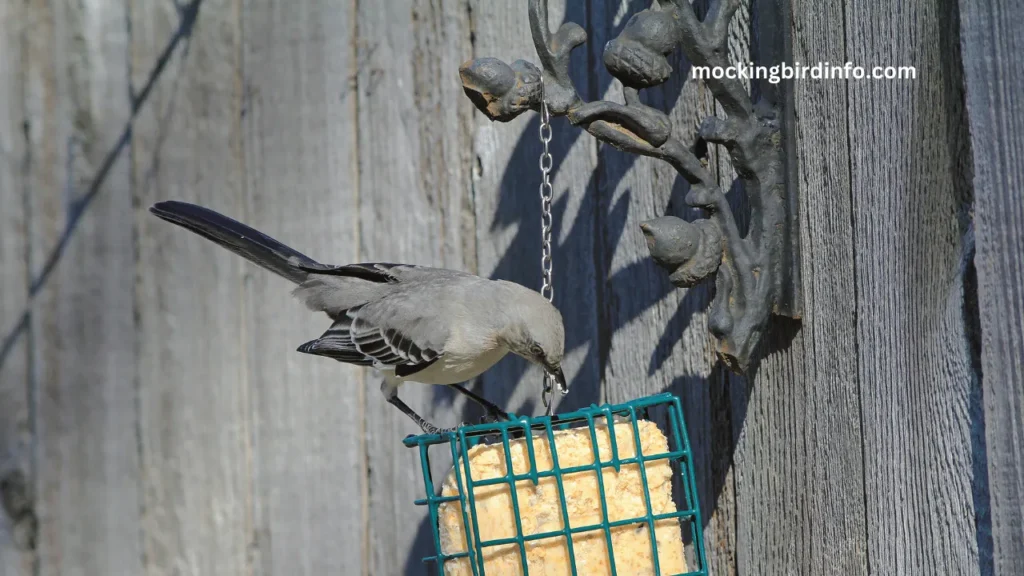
455,368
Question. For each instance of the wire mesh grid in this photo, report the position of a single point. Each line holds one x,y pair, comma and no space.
459,443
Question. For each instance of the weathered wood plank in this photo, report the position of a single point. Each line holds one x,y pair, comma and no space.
656,336
769,487
910,192
300,163
82,264
711,403
194,397
834,530
442,37
415,206
17,515
800,424
992,53
506,182
645,319
862,432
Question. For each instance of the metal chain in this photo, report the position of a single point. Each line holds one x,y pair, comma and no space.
546,224
546,195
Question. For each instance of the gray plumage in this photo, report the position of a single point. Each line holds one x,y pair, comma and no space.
428,325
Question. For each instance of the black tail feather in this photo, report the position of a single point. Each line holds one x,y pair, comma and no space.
320,347
238,238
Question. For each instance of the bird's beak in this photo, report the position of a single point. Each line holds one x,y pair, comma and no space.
559,378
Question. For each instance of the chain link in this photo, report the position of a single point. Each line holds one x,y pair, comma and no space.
546,224
546,195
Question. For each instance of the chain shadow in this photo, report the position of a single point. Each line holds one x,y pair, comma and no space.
599,220
597,229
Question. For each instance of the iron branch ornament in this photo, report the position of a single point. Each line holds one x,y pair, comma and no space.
754,272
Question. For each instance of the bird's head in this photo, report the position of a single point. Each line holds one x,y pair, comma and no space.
535,332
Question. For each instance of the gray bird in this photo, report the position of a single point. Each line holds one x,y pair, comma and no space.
412,323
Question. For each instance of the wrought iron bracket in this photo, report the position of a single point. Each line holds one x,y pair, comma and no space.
757,273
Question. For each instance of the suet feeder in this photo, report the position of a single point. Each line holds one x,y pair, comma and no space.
605,490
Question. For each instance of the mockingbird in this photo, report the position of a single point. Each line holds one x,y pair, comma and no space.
412,323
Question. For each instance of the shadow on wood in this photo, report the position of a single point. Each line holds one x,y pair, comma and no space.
713,433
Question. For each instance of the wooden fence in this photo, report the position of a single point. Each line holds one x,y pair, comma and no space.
155,419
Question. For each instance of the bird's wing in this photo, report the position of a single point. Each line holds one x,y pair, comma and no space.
336,289
371,271
382,272
393,334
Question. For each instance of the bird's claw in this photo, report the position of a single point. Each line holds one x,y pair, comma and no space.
494,418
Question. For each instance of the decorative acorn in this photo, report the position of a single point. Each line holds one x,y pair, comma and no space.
637,56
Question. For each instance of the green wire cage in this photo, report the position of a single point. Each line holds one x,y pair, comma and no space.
611,436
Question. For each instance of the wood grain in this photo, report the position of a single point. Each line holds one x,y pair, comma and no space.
195,431
800,499
17,514
506,181
992,50
414,207
908,171
301,187
765,450
655,336
77,108
711,404
161,422
770,487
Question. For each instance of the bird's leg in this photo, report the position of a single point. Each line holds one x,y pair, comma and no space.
427,427
390,391
493,410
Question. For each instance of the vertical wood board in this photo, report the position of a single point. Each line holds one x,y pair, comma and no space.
17,513
299,148
992,53
195,430
910,192
82,264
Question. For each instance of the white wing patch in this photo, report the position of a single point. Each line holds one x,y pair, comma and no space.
353,340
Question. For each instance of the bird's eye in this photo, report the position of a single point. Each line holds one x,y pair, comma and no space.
536,350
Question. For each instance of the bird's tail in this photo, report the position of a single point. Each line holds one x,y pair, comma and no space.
238,238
